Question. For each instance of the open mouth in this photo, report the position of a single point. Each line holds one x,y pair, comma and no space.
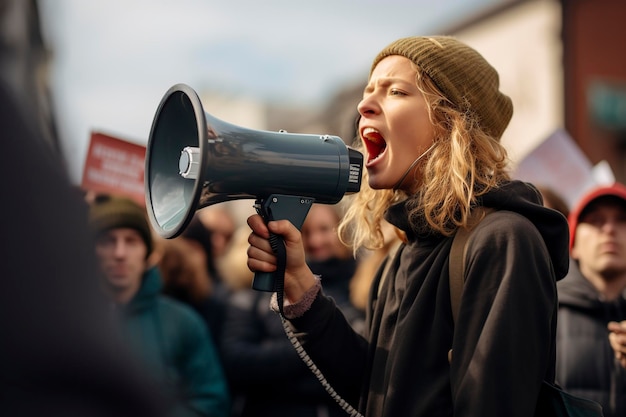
374,143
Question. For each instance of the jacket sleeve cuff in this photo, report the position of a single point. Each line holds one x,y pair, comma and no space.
297,309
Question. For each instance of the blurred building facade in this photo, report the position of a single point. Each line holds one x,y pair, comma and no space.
594,67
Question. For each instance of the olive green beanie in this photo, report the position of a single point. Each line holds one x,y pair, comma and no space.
119,212
462,74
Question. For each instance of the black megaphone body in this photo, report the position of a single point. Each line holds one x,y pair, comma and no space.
194,160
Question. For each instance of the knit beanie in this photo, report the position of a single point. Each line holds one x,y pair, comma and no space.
120,212
462,74
615,190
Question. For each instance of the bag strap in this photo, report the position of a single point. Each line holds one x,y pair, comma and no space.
458,253
456,260
457,266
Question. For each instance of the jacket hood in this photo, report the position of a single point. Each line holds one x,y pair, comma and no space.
575,291
523,198
519,197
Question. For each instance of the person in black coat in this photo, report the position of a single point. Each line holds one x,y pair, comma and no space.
59,352
592,298
430,124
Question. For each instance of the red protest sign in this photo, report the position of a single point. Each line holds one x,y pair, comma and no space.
114,166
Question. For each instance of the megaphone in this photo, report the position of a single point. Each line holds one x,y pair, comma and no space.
194,160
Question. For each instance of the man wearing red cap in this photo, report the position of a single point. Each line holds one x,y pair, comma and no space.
591,297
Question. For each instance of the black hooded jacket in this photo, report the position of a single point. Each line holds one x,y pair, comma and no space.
503,342
586,364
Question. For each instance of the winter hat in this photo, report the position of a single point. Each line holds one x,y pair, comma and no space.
616,190
117,212
462,74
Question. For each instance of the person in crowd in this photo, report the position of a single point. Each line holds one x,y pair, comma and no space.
60,355
237,275
431,119
267,376
330,259
592,298
221,222
552,199
168,336
213,227
182,263
199,233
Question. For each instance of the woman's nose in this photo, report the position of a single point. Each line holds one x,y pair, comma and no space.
367,105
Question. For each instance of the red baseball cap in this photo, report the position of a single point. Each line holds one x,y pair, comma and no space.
615,190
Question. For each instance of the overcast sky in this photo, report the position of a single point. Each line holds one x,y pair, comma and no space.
113,60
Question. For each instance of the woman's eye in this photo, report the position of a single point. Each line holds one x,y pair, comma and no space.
395,92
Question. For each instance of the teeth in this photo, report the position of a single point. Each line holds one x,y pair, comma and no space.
372,134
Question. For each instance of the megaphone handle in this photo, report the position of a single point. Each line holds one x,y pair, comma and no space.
279,207
268,281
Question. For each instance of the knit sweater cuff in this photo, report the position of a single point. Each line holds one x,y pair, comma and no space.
297,309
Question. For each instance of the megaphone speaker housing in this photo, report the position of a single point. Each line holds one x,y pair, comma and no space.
194,160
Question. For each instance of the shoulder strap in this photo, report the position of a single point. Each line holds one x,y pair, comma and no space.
458,253
457,266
